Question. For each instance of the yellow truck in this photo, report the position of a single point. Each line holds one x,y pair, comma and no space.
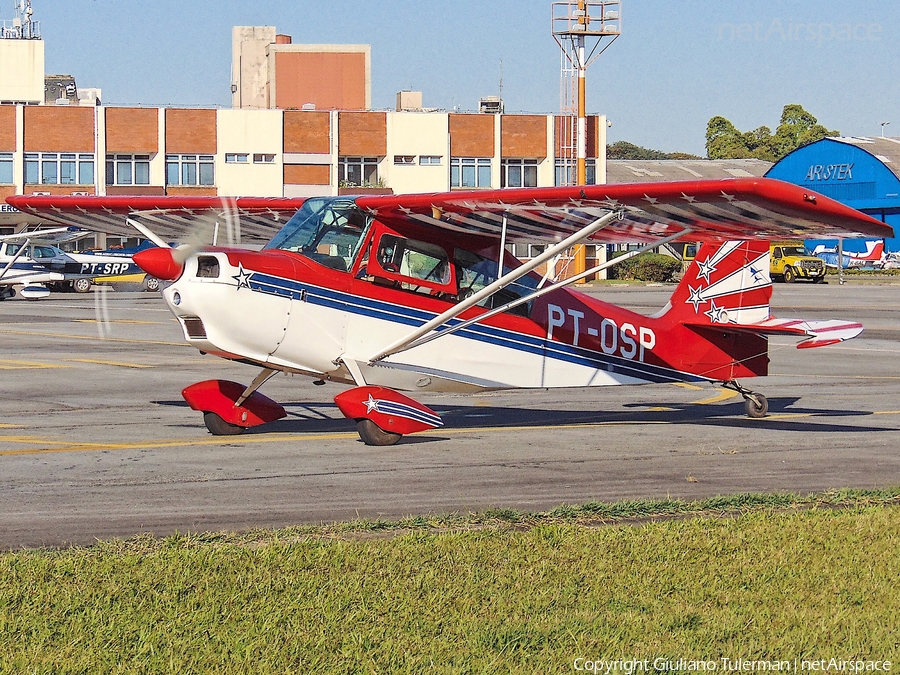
789,261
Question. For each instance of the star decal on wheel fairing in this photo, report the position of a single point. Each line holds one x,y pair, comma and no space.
242,277
371,404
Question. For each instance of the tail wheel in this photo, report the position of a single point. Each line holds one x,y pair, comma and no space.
756,405
789,274
219,427
81,285
372,434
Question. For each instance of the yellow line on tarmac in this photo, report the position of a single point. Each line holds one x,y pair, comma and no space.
9,364
254,439
63,446
788,416
134,321
93,337
723,395
686,385
120,364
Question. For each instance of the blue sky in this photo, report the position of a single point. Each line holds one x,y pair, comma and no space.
677,64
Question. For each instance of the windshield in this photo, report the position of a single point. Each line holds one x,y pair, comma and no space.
326,230
794,250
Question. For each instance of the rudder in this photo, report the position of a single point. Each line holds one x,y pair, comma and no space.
726,283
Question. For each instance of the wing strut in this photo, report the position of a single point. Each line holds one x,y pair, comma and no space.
16,257
542,291
492,288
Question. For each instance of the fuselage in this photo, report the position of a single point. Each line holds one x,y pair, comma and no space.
320,306
42,263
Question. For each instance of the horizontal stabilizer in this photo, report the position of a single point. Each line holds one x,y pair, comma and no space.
817,333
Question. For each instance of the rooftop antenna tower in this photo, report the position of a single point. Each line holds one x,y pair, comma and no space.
583,29
23,27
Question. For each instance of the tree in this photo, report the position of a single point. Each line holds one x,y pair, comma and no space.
724,141
626,150
797,128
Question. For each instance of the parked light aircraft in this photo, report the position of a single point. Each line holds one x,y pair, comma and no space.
873,257
32,260
418,293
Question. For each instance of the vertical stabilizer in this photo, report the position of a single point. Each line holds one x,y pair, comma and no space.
726,283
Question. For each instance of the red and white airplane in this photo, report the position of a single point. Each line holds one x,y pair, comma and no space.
408,292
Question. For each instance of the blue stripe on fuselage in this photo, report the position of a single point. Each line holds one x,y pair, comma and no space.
378,309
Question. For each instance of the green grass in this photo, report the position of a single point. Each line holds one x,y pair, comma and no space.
781,577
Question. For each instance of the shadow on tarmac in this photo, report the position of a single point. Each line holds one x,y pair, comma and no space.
325,418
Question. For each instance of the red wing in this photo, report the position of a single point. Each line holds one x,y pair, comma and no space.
738,209
259,218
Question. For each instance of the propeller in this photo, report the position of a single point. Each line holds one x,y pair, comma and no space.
167,261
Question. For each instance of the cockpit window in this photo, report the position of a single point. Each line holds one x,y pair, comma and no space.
43,252
474,272
328,231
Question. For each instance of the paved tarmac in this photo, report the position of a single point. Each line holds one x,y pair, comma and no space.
96,442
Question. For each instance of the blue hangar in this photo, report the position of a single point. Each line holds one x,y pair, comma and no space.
860,172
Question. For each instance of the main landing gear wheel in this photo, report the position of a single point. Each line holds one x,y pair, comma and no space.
150,284
81,285
756,408
756,405
789,274
219,427
372,434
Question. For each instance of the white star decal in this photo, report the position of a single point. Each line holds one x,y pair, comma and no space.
729,197
576,202
649,199
717,314
540,205
242,277
371,211
371,404
688,198
707,267
696,298
408,211
612,203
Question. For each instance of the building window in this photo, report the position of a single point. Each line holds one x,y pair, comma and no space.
404,160
6,167
357,171
567,171
263,158
128,169
432,160
236,158
52,168
190,170
470,172
518,173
